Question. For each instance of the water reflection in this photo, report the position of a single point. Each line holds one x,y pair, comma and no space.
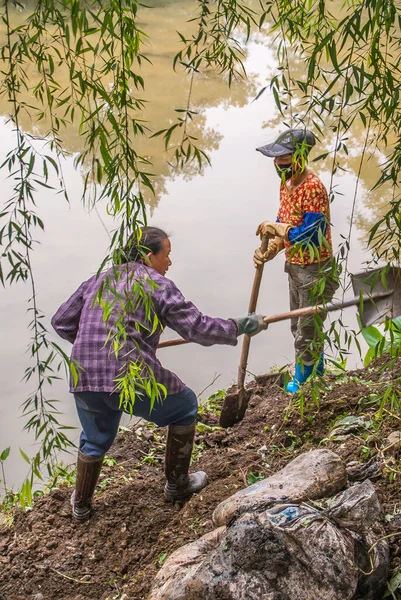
165,91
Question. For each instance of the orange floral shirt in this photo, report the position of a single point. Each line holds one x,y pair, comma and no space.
310,196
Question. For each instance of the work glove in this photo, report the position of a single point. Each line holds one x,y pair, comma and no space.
271,230
275,245
251,325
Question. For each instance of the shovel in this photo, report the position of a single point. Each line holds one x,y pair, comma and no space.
378,294
239,403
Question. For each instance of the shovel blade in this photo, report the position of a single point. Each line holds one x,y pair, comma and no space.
383,280
234,407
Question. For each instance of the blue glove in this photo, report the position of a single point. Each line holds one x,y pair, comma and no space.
251,325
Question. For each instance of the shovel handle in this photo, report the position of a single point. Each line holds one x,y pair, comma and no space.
175,342
295,314
301,312
330,306
246,343
257,278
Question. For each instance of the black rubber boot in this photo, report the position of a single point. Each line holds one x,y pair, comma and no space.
179,483
88,471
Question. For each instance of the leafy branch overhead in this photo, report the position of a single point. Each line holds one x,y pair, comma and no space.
335,67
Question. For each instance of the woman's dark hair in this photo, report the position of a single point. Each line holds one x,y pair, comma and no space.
148,239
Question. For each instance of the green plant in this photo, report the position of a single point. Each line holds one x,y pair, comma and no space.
394,585
253,478
151,458
161,558
389,398
213,403
3,457
197,452
202,427
62,475
105,482
380,342
314,390
294,439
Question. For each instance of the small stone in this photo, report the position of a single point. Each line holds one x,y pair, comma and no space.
393,442
372,440
37,597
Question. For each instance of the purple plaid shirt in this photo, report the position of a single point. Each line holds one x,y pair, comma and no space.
81,321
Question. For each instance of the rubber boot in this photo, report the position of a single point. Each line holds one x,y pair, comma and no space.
88,471
302,372
320,365
179,445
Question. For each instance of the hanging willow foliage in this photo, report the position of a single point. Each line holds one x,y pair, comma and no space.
339,71
350,71
103,49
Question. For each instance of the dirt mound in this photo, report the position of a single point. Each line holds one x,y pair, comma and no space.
115,555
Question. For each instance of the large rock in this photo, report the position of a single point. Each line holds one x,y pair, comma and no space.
288,552
186,560
316,474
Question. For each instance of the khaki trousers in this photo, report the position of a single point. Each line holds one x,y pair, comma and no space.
310,285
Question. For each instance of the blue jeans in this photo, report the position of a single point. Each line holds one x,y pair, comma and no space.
100,414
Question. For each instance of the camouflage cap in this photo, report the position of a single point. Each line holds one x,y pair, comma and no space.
288,142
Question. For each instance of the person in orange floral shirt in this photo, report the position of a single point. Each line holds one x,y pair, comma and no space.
303,229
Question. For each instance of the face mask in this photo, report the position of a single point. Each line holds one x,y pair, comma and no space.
284,171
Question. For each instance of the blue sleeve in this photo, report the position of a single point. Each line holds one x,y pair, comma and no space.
308,232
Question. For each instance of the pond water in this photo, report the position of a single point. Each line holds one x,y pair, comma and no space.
212,218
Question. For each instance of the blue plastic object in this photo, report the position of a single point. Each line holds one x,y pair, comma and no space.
320,365
285,516
302,372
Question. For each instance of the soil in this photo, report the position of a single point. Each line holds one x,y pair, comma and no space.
45,555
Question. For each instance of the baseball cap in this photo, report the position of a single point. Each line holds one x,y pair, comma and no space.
288,142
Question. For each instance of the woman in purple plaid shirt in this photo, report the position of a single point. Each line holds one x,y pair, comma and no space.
81,320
